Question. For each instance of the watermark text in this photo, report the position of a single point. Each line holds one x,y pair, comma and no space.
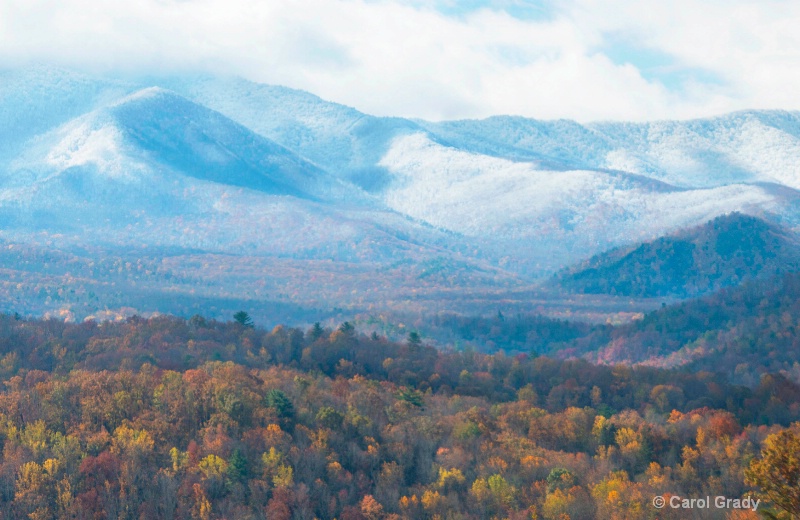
707,502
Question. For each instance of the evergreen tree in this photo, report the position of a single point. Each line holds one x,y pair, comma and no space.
237,466
243,319
280,402
316,332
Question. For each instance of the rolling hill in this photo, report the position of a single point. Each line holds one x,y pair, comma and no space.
725,251
742,331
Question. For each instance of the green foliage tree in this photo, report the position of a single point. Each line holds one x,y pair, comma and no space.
237,466
560,478
411,396
244,319
347,328
280,402
316,332
329,418
414,340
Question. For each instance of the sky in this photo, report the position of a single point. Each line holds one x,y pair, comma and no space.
442,59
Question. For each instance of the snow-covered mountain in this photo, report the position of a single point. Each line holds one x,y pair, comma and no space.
655,177
482,195
153,168
753,146
224,165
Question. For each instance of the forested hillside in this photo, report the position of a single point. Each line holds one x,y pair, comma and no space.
723,252
173,418
744,331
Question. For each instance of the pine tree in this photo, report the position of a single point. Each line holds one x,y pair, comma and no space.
243,319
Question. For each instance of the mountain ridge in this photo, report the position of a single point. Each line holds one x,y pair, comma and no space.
224,165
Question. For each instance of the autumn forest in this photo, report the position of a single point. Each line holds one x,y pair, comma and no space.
172,418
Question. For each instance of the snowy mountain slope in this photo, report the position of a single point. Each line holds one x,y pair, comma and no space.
741,147
339,139
201,143
754,146
153,169
553,144
298,120
35,99
731,159
156,130
485,196
744,147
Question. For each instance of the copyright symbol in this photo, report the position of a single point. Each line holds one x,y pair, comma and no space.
659,502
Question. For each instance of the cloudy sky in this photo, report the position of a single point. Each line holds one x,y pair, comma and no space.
442,59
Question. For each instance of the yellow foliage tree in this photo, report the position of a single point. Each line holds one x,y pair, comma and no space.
450,479
777,472
617,498
557,504
282,475
213,466
32,489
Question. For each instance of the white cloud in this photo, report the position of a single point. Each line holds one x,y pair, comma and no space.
390,57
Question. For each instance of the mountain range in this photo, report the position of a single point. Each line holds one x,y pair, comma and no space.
253,193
